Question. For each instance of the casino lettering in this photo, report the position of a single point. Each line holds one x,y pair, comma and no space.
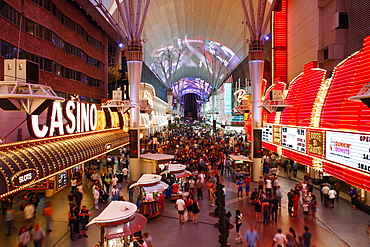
74,117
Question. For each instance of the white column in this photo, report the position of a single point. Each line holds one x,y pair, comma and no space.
134,76
256,74
214,98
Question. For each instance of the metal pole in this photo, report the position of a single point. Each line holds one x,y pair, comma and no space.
102,236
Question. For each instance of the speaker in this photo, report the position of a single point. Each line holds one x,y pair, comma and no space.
366,101
134,150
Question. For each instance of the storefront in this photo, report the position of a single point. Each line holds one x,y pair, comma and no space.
326,125
72,134
149,163
241,167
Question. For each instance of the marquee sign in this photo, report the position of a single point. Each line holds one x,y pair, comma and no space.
294,138
73,117
24,177
315,142
277,135
267,133
349,149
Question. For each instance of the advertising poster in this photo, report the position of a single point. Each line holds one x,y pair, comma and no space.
315,142
267,133
349,149
293,138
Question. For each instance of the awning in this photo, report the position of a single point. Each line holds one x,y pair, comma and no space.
120,219
40,159
178,170
144,120
240,157
159,187
151,183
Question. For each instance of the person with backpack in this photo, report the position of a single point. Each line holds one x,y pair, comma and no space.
238,221
314,205
266,211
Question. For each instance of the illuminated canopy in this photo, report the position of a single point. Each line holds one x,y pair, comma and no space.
196,29
46,157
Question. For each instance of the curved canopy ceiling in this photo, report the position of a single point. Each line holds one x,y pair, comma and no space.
209,36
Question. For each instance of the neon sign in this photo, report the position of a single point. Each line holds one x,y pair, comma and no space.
24,177
239,95
74,117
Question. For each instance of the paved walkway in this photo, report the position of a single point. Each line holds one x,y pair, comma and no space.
338,227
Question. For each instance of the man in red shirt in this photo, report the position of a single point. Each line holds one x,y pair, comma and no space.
247,182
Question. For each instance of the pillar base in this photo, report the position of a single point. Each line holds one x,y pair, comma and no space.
135,173
256,169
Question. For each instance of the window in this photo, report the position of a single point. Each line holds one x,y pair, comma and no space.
48,65
29,26
4,10
343,20
326,53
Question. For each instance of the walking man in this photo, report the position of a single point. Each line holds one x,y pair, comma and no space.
251,237
279,239
325,193
38,235
180,206
84,219
9,219
279,195
48,213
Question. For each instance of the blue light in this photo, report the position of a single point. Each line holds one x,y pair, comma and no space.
266,38
120,45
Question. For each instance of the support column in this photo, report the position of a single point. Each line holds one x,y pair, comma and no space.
169,99
256,74
134,67
214,98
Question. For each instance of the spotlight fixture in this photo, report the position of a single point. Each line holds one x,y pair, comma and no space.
363,95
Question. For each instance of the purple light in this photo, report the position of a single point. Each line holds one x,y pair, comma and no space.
120,45
267,37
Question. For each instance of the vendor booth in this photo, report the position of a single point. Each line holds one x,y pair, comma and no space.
151,198
241,167
178,174
150,162
117,222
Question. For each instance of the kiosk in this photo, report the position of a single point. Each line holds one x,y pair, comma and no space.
149,162
241,167
180,174
151,196
117,222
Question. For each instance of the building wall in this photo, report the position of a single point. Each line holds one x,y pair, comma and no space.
303,35
43,48
333,37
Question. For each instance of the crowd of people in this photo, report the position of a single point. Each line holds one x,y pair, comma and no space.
206,157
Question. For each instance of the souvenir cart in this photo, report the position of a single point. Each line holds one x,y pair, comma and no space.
178,171
241,167
151,198
117,222
150,163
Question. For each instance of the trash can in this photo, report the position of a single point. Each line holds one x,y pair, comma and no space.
120,177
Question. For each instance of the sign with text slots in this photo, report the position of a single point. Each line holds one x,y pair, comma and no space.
349,149
294,138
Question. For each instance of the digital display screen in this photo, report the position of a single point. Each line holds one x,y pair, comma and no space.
349,149
267,133
62,179
294,138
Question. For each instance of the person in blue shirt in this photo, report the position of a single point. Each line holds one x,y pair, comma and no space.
251,237
306,237
240,187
